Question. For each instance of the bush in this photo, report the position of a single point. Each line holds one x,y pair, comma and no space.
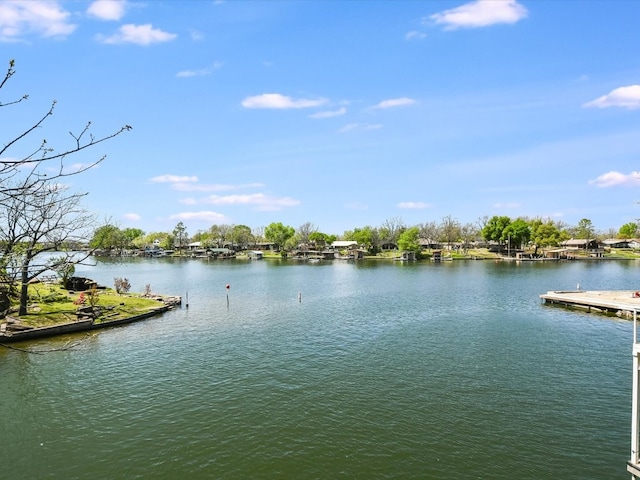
122,285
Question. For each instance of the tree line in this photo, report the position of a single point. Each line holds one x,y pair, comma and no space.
393,233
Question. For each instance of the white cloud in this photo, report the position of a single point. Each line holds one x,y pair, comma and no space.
201,72
414,205
330,113
415,35
361,127
259,200
481,13
196,35
216,187
174,179
617,179
133,217
44,18
107,9
506,205
626,97
138,34
395,102
277,101
212,217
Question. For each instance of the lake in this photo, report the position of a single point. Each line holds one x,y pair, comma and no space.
365,370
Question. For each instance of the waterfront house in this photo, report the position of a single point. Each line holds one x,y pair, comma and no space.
588,245
616,243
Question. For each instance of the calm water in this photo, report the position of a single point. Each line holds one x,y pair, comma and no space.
383,370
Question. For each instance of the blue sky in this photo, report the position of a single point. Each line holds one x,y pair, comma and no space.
338,113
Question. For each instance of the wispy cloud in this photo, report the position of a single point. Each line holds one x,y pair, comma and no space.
506,205
196,35
329,113
395,102
277,101
138,34
215,187
133,217
205,216
414,205
260,201
617,179
200,72
43,18
626,97
107,9
481,13
415,35
174,179
360,127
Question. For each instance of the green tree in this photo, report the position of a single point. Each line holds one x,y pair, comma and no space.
318,238
107,237
517,233
494,228
628,230
547,233
278,234
584,229
165,240
241,236
130,235
180,235
366,237
409,240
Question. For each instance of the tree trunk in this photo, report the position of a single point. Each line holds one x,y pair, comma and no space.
24,289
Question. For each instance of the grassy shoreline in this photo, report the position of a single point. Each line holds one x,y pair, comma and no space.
50,304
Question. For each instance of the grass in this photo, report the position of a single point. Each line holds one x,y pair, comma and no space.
50,304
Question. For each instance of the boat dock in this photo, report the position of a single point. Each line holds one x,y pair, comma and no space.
622,303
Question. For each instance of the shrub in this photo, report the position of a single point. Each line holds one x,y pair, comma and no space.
122,285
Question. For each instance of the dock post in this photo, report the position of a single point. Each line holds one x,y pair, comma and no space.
633,465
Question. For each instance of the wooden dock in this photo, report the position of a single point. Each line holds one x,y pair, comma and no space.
622,303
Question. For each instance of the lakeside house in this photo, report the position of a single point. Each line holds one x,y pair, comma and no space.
616,243
589,245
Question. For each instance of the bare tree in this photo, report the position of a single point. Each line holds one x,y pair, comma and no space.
304,231
482,222
430,231
450,229
468,233
391,229
38,213
40,220
258,234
